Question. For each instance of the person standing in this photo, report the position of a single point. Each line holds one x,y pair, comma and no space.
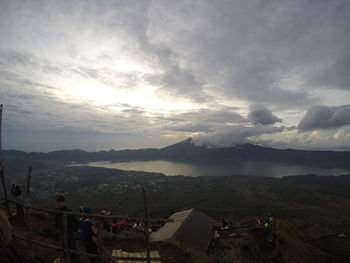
13,189
17,194
224,223
87,232
72,225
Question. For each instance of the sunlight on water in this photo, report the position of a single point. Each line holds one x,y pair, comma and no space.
190,169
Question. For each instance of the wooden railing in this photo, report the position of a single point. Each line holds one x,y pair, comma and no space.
103,254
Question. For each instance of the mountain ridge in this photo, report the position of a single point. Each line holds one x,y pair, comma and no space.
187,151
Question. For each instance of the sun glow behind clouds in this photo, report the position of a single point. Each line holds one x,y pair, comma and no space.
143,96
126,65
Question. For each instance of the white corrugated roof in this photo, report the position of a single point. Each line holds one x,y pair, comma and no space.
170,228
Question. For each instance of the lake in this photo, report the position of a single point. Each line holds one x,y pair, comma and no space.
191,169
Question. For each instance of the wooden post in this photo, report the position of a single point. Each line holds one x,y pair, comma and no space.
104,250
29,177
28,203
4,189
30,233
65,238
146,225
27,200
100,237
2,173
182,233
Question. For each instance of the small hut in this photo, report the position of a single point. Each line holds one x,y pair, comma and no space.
191,228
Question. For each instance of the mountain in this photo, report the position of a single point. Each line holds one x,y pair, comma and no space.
186,151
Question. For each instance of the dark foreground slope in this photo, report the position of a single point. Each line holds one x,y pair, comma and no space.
186,151
249,243
280,243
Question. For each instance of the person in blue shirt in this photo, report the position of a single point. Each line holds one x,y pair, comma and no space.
87,232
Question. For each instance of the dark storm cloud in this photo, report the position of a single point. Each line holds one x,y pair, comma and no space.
323,117
259,114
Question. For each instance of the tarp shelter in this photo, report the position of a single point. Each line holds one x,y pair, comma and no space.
191,228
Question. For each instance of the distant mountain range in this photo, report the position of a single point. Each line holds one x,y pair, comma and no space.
186,151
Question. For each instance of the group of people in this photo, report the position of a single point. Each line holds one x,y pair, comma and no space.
215,235
230,224
266,222
112,226
138,227
85,225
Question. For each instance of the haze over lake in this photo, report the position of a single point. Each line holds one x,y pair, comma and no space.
189,169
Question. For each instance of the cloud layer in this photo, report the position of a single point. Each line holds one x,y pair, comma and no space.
149,73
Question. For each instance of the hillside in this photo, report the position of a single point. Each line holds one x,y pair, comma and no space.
279,243
311,210
308,201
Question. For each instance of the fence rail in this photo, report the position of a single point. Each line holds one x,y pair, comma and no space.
53,211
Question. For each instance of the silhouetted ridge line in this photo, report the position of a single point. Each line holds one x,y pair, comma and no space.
187,151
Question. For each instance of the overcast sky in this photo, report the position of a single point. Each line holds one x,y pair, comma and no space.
132,74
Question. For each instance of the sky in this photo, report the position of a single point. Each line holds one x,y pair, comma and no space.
100,75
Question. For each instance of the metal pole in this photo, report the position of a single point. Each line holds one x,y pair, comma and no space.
146,225
2,173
